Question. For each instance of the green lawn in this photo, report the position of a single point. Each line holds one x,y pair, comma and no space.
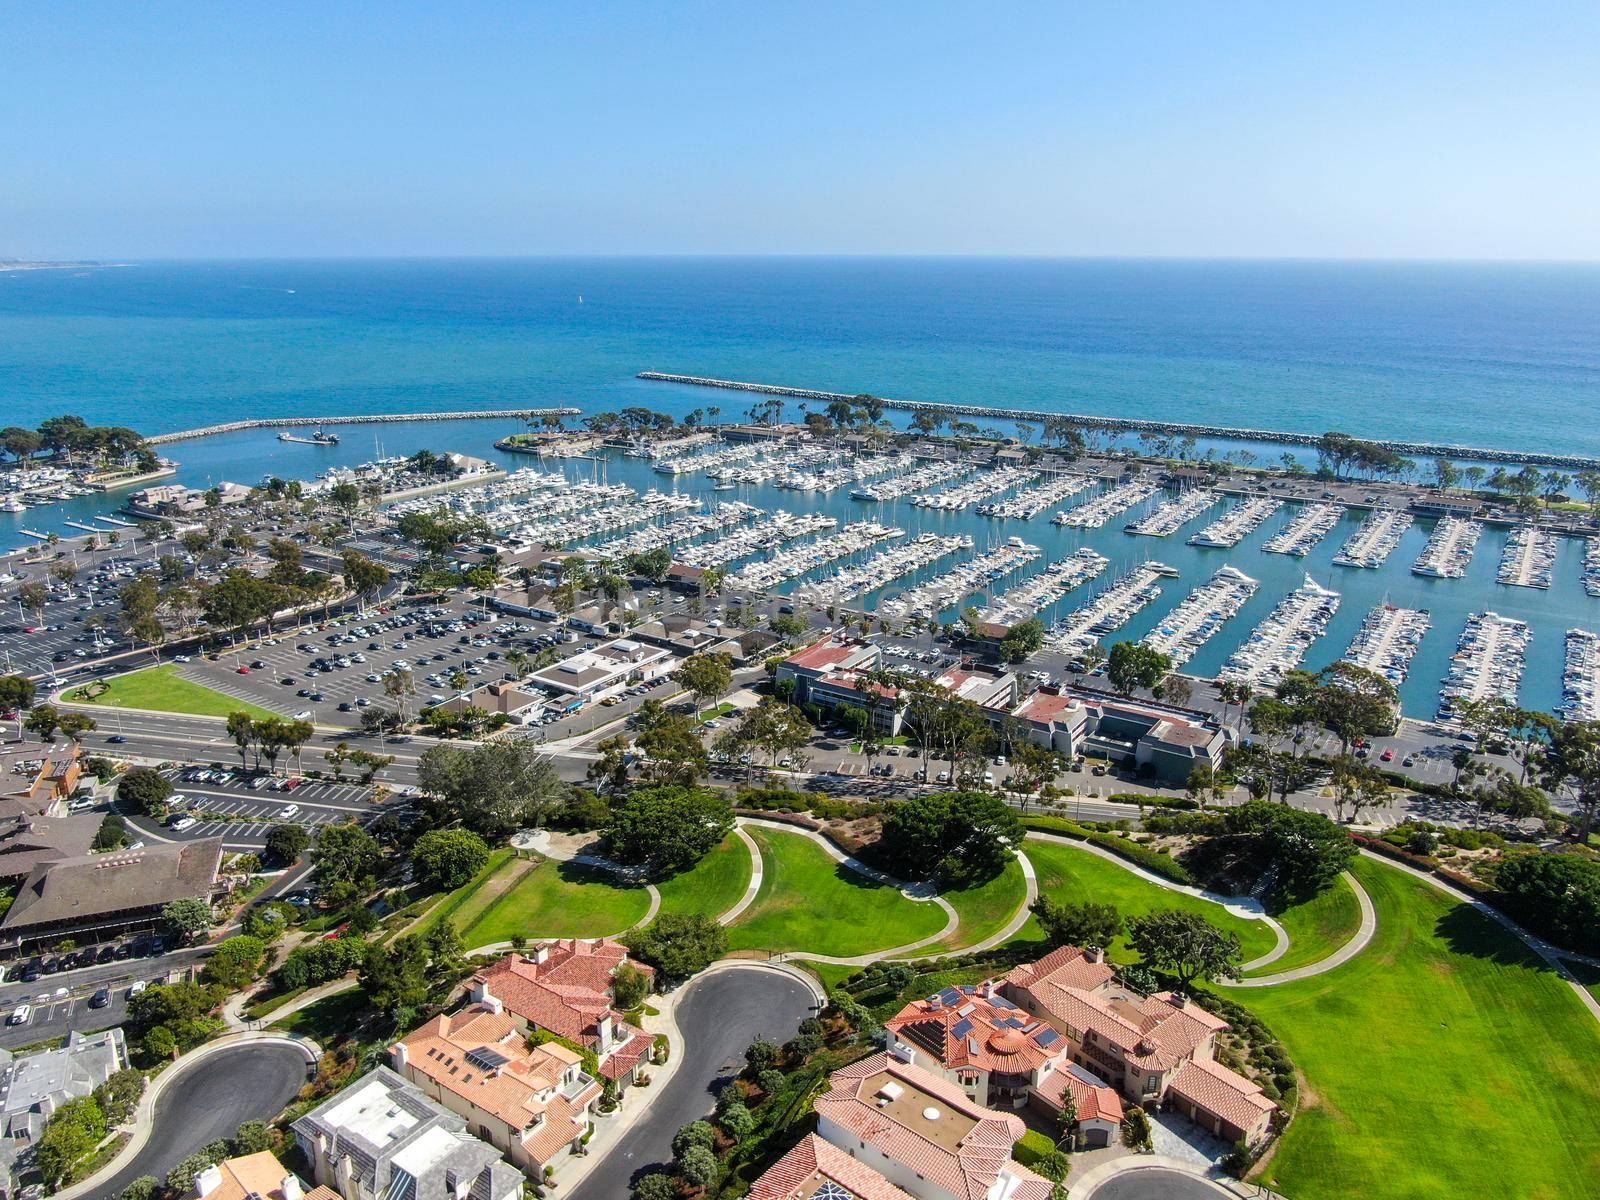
985,909
1586,975
1317,928
467,903
555,899
714,885
810,902
1069,874
164,690
1444,1061
329,1019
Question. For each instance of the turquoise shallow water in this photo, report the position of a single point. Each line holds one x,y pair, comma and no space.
1496,355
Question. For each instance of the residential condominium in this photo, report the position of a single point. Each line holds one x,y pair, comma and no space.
258,1176
565,987
33,1086
382,1139
530,1102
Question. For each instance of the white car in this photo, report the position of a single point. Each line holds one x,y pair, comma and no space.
288,810
19,1015
135,988
185,823
303,715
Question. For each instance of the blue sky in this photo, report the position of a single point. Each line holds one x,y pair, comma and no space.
1462,130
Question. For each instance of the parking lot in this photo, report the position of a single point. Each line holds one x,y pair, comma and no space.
329,674
242,815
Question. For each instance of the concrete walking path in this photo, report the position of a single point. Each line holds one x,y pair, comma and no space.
1358,943
756,875
1006,932
1551,953
1245,909
917,892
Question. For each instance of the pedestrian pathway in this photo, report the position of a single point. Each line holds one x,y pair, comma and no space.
1358,943
756,875
1012,927
1551,953
920,892
1246,908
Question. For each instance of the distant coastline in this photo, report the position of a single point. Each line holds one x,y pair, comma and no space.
20,264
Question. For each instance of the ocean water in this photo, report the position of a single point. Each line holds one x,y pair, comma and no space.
1483,354
1493,355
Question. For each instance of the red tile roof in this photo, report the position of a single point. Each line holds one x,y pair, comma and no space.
971,1026
1092,1098
801,1171
1045,706
1212,1087
827,653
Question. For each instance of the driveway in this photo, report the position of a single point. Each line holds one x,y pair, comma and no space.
210,1100
718,1016
1157,1183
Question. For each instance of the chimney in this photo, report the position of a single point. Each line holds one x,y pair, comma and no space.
541,954
493,1003
290,1187
207,1181
1093,954
398,1055
1178,1000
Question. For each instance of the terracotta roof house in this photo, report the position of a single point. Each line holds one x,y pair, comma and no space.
254,1177
1141,1044
1001,1056
35,778
27,842
819,1170
565,987
530,1102
923,1134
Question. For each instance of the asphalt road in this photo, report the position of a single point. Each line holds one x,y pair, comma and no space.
210,1100
719,1015
1157,1183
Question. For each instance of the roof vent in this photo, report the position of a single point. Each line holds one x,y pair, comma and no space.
930,1113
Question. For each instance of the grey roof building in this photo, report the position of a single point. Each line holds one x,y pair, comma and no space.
382,1139
33,1086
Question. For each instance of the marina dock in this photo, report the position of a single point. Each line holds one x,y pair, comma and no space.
1109,611
930,598
1369,547
1174,514
1304,530
1048,587
1488,663
1449,550
1387,641
1202,613
1529,558
1233,526
1094,513
1279,643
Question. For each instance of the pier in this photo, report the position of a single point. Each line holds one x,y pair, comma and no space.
1370,546
809,556
1109,611
1304,530
1096,512
1174,514
1488,662
883,568
1201,614
1048,587
1027,504
1591,566
518,414
1580,678
1449,550
933,597
1529,559
1570,462
1280,642
1388,640
1233,526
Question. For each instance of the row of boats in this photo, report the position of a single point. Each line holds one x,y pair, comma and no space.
1048,587
1201,614
934,596
1580,678
1167,518
768,534
1304,530
976,490
1030,502
843,472
796,561
720,518
884,567
1369,546
1529,559
928,475
708,460
1109,611
1387,641
1450,549
592,522
1095,512
1233,526
1487,664
1278,645
1591,566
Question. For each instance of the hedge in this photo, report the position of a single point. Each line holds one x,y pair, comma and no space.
1181,802
1140,855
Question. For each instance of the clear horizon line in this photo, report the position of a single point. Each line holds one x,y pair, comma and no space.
10,264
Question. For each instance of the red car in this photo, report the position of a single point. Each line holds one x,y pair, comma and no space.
242,670
1387,756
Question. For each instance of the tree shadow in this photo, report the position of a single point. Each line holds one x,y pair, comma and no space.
581,873
1468,932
